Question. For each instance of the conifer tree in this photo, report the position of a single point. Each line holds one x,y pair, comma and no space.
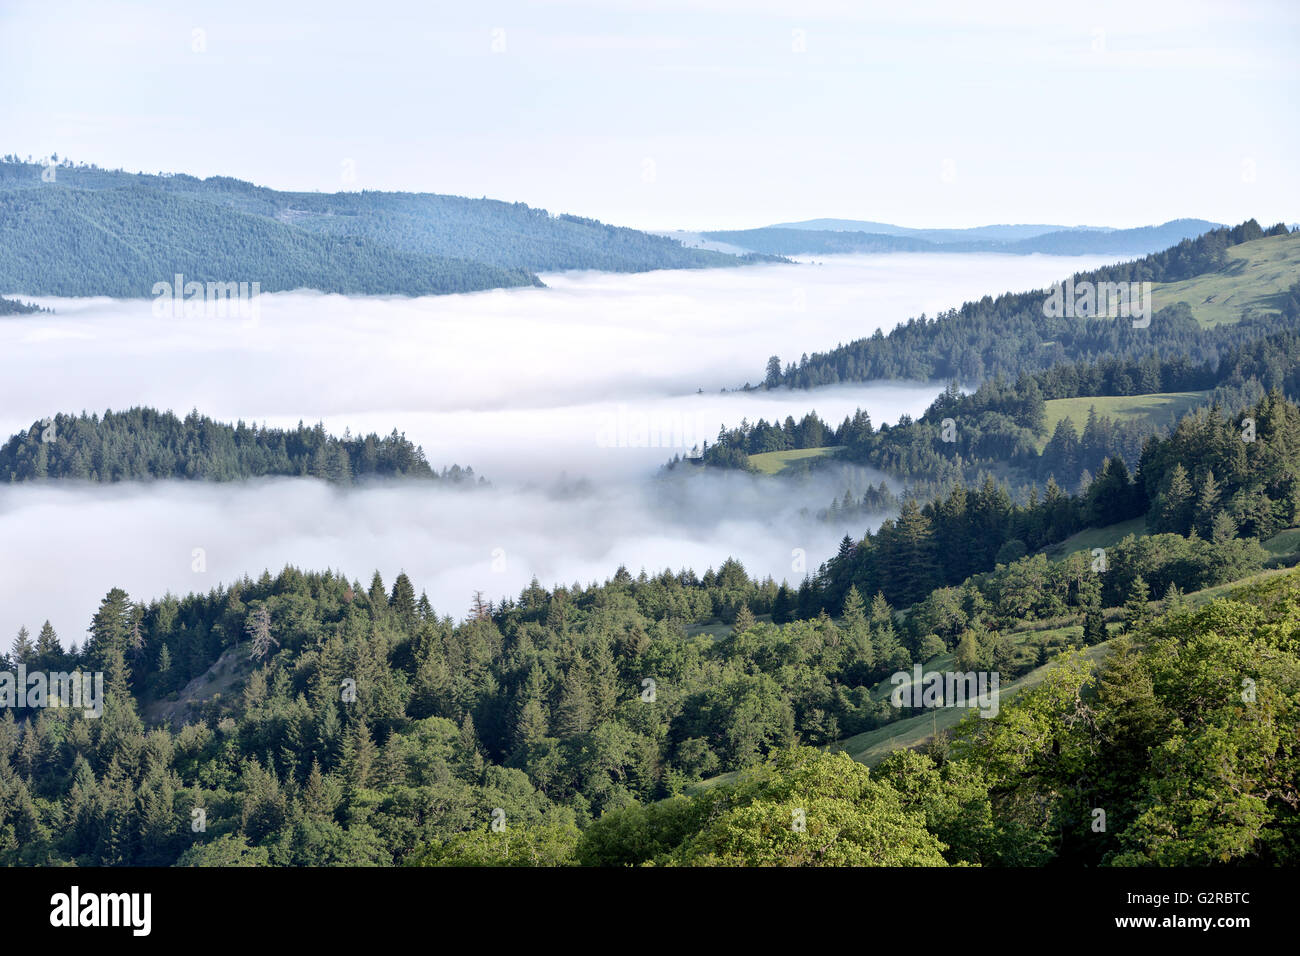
1136,609
1094,623
23,650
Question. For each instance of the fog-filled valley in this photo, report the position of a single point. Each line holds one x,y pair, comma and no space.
567,399
691,435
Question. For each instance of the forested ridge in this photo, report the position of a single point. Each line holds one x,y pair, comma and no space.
1002,429
143,443
92,231
1205,478
1010,335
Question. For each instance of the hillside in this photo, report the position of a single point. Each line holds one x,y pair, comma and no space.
120,242
1011,335
1158,409
1255,278
104,232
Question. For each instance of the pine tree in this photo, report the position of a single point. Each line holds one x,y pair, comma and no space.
1094,623
1175,515
854,614
1207,506
783,606
744,620
1136,609
573,716
164,663
316,803
603,682
49,652
905,550
1222,529
402,601
23,649
471,750
1173,599
359,752
773,377
888,651
109,630
378,595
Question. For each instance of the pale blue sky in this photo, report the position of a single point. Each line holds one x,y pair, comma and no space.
686,114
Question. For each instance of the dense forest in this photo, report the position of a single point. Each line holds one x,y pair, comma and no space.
92,231
1216,477
143,443
571,726
1010,336
790,241
304,719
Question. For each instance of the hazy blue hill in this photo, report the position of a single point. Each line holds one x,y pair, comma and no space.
1000,233
803,239
790,242
419,234
1137,242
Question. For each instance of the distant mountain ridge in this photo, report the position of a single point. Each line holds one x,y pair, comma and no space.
1001,233
830,236
81,230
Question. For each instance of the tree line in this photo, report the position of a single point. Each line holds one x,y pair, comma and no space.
143,443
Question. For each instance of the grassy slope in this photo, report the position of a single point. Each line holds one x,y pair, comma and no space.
1090,538
1160,409
771,462
1256,275
871,747
1284,542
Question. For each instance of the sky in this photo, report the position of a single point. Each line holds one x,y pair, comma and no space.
667,114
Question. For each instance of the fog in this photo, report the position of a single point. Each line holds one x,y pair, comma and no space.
586,386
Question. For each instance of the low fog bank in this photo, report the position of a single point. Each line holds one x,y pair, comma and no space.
67,544
589,338
618,437
593,382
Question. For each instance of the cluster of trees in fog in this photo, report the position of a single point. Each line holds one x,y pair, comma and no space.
143,443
